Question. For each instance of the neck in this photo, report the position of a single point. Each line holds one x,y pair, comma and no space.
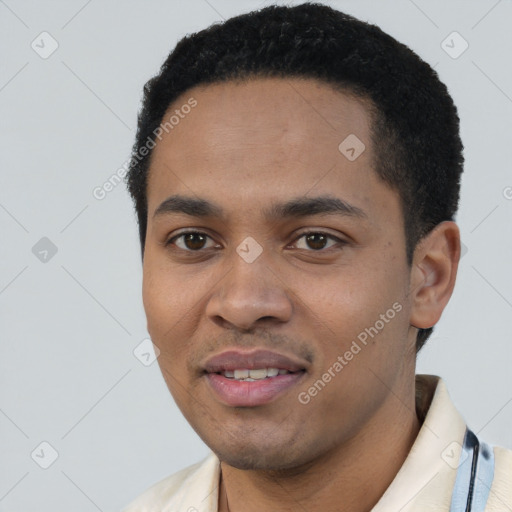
355,474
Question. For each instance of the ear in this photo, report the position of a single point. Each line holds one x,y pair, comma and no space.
433,273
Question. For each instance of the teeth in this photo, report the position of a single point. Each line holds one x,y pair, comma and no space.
258,374
241,374
254,374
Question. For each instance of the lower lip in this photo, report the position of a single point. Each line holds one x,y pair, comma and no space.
250,394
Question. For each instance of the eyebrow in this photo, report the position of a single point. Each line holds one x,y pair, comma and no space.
294,208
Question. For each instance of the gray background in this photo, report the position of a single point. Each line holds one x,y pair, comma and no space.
70,323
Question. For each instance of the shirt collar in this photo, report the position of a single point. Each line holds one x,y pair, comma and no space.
427,476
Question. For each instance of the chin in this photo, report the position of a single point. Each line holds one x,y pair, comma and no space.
264,456
254,460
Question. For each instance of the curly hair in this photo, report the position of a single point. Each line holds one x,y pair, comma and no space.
414,122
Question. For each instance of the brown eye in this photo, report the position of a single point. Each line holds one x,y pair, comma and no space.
317,240
190,241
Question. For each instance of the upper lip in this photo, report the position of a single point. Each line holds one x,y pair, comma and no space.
235,359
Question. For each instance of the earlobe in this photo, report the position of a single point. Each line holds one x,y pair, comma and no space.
433,274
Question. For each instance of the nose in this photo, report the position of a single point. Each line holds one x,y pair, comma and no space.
250,295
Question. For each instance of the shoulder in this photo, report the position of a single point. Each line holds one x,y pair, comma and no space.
178,487
500,495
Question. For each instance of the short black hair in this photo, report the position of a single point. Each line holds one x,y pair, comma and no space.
415,125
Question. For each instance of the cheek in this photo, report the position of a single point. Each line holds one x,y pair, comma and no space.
168,325
352,299
167,302
362,312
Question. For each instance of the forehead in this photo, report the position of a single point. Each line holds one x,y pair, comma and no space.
262,139
257,110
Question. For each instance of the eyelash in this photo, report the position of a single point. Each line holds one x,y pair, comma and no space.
339,242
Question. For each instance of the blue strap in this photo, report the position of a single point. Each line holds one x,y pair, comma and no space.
474,476
484,477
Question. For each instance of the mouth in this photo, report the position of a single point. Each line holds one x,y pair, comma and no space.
247,375
249,379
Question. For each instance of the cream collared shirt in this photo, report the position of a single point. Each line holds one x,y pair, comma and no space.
424,483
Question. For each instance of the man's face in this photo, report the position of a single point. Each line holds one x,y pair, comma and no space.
306,286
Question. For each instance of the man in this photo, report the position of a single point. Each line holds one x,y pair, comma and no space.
296,175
